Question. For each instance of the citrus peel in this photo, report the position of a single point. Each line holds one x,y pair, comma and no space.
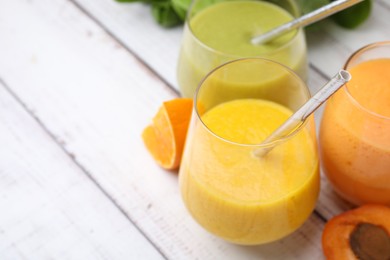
165,137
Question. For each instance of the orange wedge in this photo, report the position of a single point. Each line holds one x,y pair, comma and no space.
165,137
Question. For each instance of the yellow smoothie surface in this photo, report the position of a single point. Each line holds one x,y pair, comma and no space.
355,135
241,197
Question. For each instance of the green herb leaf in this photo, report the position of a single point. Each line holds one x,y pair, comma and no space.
181,7
353,16
164,13
128,1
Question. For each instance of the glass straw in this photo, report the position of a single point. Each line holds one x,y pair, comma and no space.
304,20
306,110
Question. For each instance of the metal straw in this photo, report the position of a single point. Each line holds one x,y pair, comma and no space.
306,110
304,20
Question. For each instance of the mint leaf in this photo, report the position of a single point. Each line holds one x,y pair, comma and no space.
181,7
354,16
164,13
128,1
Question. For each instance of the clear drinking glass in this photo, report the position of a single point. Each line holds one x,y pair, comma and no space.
219,31
228,189
355,129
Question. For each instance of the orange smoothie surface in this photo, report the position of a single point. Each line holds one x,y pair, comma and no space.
370,85
355,138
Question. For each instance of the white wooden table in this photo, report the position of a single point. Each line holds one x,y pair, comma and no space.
79,80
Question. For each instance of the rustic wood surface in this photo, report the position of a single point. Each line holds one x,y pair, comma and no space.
79,80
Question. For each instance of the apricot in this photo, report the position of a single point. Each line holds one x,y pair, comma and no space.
359,234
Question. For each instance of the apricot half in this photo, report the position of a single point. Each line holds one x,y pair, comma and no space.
362,233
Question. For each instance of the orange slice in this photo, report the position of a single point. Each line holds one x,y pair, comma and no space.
362,233
165,137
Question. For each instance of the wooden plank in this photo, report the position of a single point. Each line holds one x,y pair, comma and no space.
95,98
49,207
132,24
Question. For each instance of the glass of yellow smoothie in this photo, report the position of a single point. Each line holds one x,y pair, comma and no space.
219,31
231,191
355,129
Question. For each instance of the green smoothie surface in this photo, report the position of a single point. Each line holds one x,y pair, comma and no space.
229,26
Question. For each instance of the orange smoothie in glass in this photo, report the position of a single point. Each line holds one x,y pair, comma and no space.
355,135
241,197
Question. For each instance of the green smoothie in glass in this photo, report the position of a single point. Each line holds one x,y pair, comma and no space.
222,31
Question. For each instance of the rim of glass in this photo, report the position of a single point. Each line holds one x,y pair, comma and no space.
259,145
205,46
350,59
